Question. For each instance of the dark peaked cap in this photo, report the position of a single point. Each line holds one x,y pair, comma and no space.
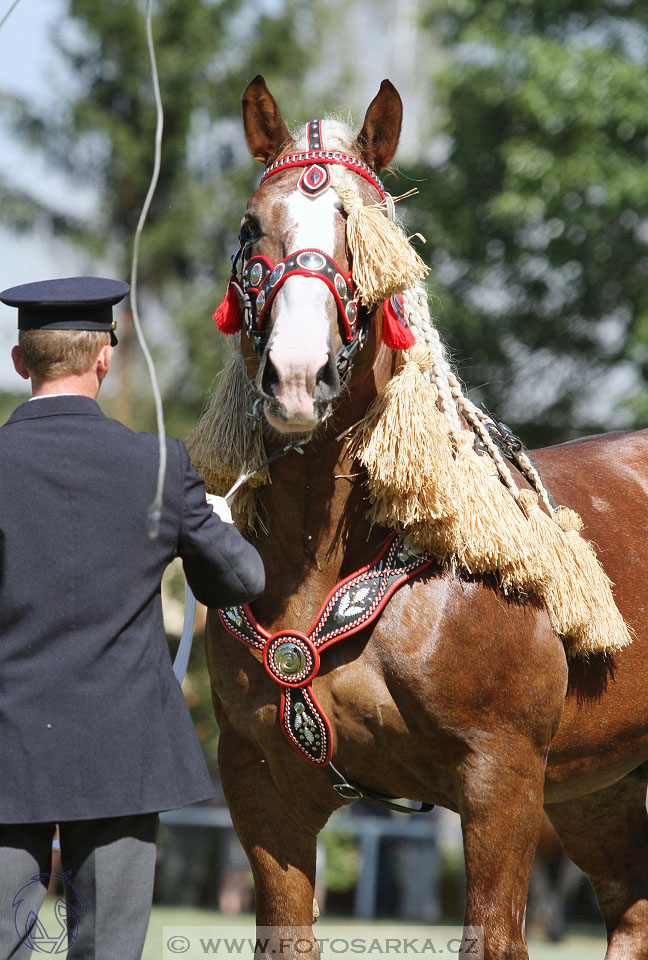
71,303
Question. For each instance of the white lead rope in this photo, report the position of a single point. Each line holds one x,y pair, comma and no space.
155,509
9,11
184,650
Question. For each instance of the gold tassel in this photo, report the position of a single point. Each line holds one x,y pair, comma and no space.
384,261
404,443
579,597
219,443
491,534
450,502
606,631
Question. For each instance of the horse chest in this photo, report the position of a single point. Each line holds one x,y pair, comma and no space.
292,657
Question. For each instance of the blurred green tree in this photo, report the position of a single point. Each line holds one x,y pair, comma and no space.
535,208
102,134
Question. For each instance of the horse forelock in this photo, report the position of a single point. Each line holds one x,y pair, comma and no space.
336,135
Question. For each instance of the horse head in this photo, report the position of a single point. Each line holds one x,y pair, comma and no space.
300,306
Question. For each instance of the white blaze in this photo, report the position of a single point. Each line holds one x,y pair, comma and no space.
301,326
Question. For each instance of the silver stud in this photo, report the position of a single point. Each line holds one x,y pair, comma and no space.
276,274
311,260
340,285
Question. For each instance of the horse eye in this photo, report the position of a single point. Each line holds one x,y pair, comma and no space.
250,231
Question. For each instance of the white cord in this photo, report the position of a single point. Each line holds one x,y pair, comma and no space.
9,11
184,648
155,510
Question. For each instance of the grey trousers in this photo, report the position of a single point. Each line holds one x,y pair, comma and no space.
108,867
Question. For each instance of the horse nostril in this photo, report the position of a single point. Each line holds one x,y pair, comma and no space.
327,381
325,375
269,378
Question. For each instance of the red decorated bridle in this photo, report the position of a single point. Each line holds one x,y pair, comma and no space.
249,297
264,279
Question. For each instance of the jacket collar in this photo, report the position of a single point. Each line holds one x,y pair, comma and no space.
55,407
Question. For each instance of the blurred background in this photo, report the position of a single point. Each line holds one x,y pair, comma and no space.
526,135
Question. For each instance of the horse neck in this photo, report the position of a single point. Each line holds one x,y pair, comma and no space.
316,504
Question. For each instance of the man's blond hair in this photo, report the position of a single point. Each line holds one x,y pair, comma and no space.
51,354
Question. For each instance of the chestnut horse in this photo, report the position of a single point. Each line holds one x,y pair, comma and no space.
456,695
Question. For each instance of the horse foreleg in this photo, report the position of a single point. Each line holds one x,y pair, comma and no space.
278,831
606,835
501,816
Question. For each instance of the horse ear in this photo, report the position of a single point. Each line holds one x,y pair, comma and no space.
379,136
265,131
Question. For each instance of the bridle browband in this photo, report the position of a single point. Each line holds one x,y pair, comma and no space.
317,180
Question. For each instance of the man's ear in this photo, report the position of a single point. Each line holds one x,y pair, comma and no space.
103,361
19,362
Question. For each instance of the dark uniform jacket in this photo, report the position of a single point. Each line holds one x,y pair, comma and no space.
93,722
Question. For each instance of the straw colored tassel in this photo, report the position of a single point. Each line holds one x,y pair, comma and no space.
404,442
219,443
606,630
492,534
579,598
384,261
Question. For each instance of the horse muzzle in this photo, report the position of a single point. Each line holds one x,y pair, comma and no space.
297,395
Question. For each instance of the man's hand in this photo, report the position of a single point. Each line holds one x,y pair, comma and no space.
220,507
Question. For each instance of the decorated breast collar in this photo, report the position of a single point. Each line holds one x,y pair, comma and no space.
292,658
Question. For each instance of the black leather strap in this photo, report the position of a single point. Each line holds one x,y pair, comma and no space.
351,791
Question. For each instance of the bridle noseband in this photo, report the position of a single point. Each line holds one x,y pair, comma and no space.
264,279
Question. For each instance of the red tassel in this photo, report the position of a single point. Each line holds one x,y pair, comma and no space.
396,333
228,316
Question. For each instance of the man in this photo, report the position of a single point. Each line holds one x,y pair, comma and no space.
95,734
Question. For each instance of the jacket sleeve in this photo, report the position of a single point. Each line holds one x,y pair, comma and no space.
221,567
